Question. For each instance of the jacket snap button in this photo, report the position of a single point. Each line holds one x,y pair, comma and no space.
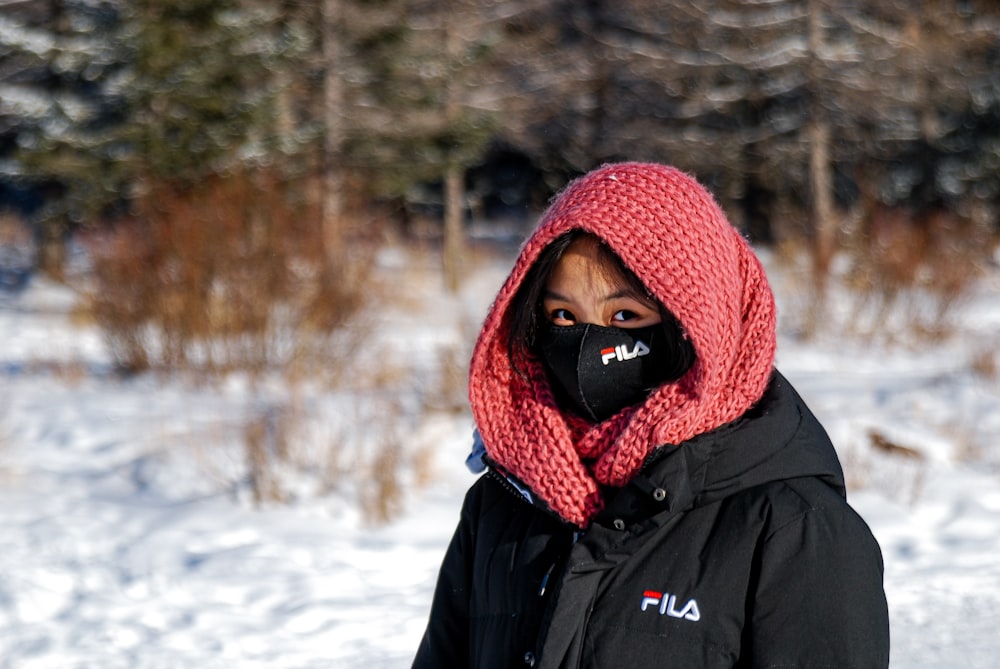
529,659
659,494
619,524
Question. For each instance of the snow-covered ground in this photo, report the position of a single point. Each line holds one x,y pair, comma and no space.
128,539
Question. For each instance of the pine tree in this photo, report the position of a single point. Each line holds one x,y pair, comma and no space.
155,92
414,105
60,62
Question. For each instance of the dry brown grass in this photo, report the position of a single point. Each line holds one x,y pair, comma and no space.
233,279
354,442
911,269
231,276
907,269
895,469
265,439
381,489
984,362
881,443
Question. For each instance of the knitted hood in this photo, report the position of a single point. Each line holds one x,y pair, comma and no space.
670,232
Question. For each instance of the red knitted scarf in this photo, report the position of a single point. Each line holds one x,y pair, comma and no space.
670,232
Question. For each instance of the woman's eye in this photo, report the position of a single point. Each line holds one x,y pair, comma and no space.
562,316
623,315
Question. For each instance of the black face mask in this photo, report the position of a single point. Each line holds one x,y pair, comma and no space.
598,371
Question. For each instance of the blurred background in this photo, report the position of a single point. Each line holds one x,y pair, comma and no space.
214,178
246,247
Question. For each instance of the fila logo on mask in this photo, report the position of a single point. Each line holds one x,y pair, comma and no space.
666,604
621,353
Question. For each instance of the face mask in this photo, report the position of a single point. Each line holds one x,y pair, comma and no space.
600,370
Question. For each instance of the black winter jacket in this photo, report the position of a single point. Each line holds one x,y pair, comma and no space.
735,549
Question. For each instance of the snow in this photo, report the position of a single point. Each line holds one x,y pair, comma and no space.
130,538
17,100
15,34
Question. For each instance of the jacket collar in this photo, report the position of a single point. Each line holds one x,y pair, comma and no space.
777,439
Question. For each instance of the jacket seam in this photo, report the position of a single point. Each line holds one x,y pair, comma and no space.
798,518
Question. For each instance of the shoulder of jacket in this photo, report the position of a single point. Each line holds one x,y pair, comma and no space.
492,488
807,500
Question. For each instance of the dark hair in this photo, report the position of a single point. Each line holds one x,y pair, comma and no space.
526,306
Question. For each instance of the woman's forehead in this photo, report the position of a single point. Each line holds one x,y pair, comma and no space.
590,265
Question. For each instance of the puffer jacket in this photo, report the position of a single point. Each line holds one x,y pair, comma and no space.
734,549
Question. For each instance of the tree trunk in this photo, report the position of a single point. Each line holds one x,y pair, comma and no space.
52,251
820,177
821,182
333,101
454,177
454,232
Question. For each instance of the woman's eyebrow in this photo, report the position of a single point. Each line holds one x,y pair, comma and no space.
548,294
623,292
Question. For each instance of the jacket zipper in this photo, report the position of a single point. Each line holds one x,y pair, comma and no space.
513,490
507,485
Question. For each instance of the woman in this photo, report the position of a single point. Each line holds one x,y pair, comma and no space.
656,492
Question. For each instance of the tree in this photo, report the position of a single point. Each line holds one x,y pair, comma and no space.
927,75
772,102
60,63
412,107
331,39
713,87
151,92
